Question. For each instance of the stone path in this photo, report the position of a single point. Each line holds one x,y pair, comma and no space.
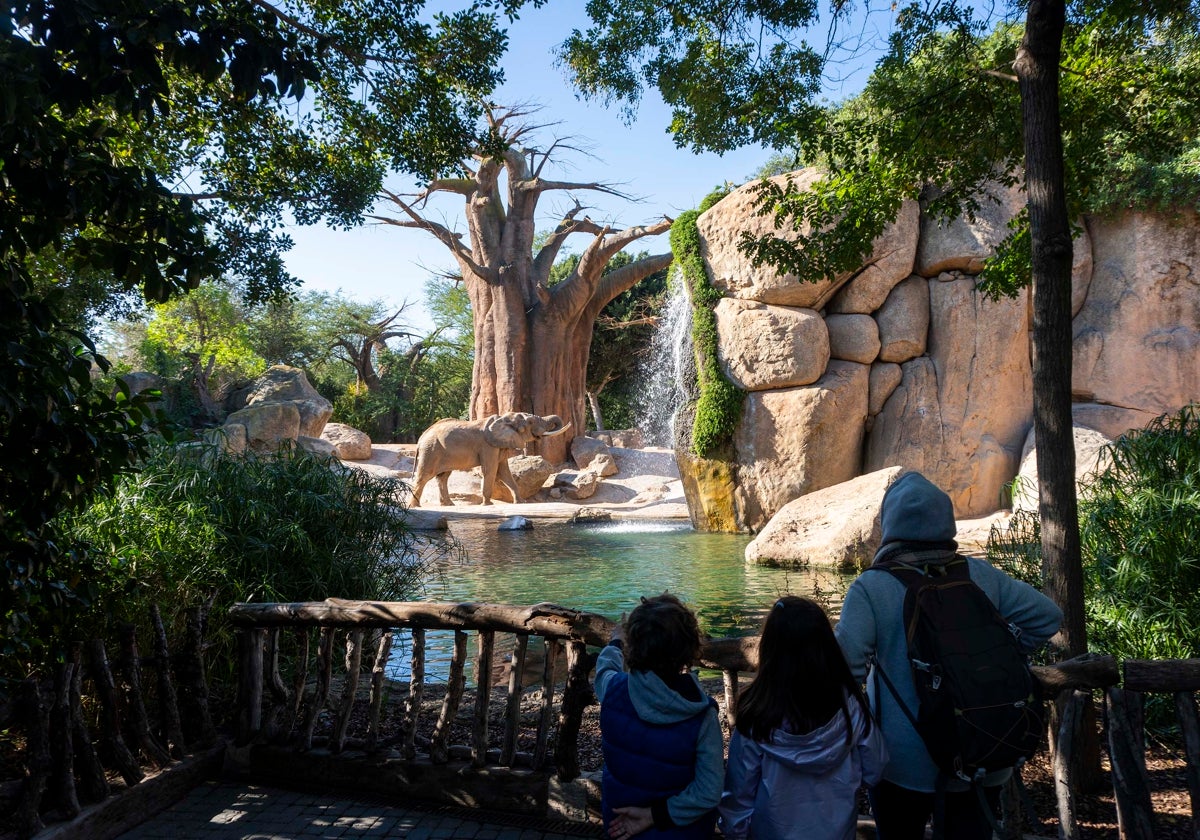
230,811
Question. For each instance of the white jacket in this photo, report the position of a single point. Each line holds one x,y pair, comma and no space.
801,786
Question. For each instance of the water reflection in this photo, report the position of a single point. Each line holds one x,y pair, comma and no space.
605,569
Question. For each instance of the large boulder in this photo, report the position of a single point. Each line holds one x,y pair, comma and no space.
963,242
575,484
904,321
1137,337
837,526
885,377
798,440
529,472
761,346
1089,444
267,425
961,414
730,270
593,454
349,443
853,338
229,438
283,384
891,260
316,446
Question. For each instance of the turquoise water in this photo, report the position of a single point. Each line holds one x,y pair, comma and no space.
605,568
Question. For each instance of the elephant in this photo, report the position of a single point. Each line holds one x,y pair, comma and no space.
463,444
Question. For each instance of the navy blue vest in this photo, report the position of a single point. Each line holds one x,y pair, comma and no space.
644,762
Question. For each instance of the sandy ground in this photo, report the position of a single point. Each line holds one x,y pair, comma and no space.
646,486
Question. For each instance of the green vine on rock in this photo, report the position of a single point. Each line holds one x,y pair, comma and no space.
720,404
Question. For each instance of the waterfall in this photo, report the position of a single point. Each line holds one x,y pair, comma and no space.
661,372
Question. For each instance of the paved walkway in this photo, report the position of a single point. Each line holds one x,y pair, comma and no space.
230,811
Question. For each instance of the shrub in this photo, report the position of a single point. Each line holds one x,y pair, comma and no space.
198,524
1140,527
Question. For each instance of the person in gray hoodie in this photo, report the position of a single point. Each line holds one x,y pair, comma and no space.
803,743
918,529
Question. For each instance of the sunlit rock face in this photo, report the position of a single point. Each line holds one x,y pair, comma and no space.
905,363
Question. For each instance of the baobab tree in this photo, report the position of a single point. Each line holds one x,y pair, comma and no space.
531,338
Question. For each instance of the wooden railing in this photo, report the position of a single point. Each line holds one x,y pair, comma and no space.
69,763
271,711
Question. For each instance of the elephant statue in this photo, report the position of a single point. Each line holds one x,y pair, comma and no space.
450,445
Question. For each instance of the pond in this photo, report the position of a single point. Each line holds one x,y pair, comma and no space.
605,568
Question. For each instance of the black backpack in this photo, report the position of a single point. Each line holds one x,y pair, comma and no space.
980,707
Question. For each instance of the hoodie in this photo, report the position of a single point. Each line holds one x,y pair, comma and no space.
918,528
801,785
656,703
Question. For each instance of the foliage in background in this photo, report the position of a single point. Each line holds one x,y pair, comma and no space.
720,404
1140,523
1140,526
196,523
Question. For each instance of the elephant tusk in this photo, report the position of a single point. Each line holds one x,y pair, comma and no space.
557,433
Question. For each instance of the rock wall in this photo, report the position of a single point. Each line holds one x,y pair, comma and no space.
904,364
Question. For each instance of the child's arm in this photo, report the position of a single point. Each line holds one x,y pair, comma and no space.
872,749
704,792
610,663
741,786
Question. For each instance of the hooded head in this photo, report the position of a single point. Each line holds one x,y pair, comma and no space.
915,510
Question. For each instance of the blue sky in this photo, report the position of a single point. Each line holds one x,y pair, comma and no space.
392,264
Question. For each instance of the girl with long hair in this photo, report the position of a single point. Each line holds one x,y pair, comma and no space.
803,743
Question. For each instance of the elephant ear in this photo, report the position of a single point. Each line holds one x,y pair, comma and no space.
502,432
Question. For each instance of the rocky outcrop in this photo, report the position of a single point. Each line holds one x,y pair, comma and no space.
797,440
529,472
1089,444
592,454
349,443
762,346
837,526
267,425
1137,337
904,363
731,271
283,384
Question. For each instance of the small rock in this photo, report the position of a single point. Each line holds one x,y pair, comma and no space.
586,515
515,523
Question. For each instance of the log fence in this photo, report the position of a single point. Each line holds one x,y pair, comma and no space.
78,745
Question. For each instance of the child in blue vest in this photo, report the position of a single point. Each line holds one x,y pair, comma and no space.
659,731
803,743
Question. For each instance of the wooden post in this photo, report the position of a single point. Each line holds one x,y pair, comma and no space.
553,646
1130,782
378,676
92,781
1189,727
62,782
110,718
416,688
438,750
730,678
483,697
1064,757
38,762
192,677
321,691
168,700
250,683
303,645
353,662
135,705
512,717
576,696
280,699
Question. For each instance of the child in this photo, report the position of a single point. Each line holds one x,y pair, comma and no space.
658,729
803,742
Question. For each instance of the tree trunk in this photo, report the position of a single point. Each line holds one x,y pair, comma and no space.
597,415
1037,68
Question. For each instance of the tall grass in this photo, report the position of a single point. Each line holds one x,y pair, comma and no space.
197,525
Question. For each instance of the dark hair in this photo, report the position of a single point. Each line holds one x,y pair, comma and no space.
661,635
802,678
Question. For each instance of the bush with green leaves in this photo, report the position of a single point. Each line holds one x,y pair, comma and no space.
1140,526
197,524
